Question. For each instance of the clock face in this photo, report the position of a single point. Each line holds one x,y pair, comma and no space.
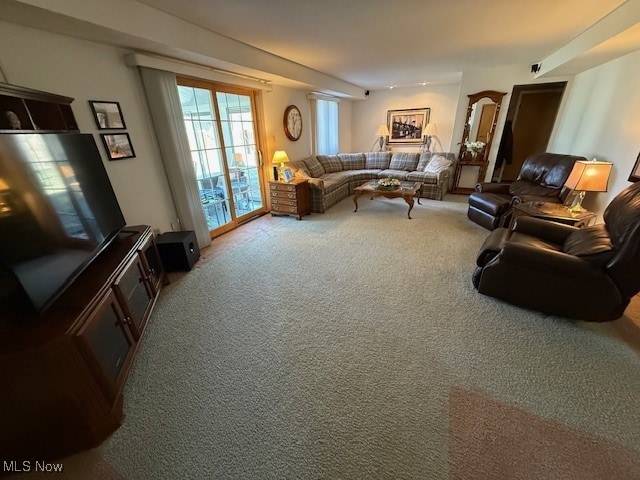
292,123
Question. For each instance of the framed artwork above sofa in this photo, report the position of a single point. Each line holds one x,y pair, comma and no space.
406,126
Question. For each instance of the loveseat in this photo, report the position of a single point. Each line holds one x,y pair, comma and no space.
334,177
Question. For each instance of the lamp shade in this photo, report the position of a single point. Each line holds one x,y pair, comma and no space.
3,185
280,156
430,130
589,176
382,131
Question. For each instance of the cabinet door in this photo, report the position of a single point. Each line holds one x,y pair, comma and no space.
152,264
135,294
107,343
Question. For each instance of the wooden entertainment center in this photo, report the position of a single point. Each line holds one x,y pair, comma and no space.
62,374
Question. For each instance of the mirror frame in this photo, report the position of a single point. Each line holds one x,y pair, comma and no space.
494,96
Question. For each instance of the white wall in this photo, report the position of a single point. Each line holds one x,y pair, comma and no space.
369,113
601,120
501,79
89,71
276,101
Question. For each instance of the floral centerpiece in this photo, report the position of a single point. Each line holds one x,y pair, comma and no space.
388,183
474,148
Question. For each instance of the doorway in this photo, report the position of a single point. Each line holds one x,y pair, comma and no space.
531,116
221,127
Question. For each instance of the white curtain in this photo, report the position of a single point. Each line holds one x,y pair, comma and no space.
327,141
162,94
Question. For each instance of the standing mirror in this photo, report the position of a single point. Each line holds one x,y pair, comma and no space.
479,129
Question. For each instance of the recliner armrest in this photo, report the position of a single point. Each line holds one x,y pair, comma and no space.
549,261
487,187
537,227
534,198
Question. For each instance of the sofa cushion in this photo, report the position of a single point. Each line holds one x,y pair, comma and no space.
437,163
330,163
377,160
314,167
404,161
592,243
398,174
352,161
424,177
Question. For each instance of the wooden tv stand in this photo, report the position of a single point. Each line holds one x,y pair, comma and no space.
62,374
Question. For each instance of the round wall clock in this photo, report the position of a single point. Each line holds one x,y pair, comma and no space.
292,123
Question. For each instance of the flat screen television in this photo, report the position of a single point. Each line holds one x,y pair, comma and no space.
57,212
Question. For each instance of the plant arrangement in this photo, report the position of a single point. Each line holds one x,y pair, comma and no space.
388,183
474,147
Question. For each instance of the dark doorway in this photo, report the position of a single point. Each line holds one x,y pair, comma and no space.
530,117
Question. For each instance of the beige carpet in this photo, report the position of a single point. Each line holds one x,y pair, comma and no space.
353,345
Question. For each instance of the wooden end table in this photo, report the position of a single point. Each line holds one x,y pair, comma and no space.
406,190
555,212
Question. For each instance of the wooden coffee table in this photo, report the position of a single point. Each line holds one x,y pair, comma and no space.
406,190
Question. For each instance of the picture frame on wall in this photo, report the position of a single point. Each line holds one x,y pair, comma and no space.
635,171
117,145
406,126
108,115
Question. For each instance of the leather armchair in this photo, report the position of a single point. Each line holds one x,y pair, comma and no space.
541,179
587,274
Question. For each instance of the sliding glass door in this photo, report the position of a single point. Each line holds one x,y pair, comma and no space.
221,128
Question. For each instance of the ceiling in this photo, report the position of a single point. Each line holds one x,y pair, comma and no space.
377,43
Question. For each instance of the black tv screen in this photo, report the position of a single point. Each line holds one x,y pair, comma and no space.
57,212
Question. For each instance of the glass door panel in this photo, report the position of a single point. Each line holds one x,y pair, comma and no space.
228,169
238,133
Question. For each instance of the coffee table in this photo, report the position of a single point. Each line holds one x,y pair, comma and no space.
406,190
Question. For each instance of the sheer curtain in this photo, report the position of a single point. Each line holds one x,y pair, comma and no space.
162,94
327,140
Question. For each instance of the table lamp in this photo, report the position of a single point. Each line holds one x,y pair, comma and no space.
429,131
280,156
382,131
586,177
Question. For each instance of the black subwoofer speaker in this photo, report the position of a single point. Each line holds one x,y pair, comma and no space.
178,250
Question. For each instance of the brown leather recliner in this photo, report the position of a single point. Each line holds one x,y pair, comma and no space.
541,179
588,274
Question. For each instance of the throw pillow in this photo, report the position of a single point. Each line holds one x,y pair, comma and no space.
404,161
437,163
298,169
314,167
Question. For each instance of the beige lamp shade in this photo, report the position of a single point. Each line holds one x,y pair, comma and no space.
280,156
430,130
3,185
590,176
382,131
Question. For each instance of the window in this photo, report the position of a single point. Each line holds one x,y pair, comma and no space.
327,140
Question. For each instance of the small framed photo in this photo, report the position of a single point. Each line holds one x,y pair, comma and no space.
107,115
406,126
287,174
118,145
635,171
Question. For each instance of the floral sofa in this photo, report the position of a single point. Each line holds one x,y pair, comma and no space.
334,177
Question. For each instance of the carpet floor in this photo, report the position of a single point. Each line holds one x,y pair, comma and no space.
352,346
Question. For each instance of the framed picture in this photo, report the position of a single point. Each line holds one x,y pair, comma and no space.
118,145
107,115
287,174
405,126
635,171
